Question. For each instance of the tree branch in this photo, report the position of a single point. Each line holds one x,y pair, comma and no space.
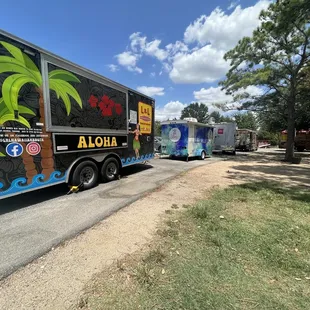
301,31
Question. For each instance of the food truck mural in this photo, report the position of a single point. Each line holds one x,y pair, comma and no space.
62,123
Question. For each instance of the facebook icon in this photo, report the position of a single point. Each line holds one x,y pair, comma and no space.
14,149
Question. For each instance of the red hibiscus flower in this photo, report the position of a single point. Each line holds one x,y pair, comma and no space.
105,108
106,105
93,101
105,99
118,109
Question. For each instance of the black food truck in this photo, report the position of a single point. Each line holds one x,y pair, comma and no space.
63,123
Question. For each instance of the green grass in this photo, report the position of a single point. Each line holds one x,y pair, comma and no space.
247,247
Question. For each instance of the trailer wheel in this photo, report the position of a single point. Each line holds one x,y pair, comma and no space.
110,170
85,173
203,155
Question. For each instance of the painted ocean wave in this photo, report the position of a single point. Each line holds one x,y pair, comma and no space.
20,184
134,160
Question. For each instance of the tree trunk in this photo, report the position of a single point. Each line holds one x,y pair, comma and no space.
289,153
29,165
47,161
27,159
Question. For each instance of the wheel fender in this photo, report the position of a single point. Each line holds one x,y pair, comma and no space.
199,151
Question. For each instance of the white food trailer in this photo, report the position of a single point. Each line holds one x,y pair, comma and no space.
225,137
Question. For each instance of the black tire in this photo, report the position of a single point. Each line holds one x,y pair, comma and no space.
202,155
110,170
85,173
159,149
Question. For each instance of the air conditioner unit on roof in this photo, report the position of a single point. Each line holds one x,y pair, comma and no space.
191,119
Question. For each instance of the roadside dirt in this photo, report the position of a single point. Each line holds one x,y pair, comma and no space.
56,280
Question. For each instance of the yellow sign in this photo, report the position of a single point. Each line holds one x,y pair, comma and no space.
98,142
145,118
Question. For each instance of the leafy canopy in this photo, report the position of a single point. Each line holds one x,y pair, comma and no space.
274,59
196,110
276,53
218,118
246,121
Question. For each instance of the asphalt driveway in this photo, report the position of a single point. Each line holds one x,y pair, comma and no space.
33,223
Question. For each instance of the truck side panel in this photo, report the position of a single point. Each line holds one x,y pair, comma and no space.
203,140
186,139
175,139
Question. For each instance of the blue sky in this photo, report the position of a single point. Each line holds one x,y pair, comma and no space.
171,50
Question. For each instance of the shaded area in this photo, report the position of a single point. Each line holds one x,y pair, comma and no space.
267,172
284,173
293,193
34,197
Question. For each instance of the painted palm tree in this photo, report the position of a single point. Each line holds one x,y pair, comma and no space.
25,71
7,115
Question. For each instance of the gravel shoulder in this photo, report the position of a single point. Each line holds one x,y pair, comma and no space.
56,280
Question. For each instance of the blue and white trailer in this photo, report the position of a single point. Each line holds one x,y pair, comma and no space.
186,138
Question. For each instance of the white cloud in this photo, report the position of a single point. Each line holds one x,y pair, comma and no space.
139,47
204,65
152,49
214,34
199,57
177,47
170,110
224,31
214,95
113,68
135,69
137,41
151,90
129,60
167,67
152,74
233,4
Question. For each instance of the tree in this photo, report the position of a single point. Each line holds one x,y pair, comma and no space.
218,118
25,71
273,115
274,59
196,110
246,121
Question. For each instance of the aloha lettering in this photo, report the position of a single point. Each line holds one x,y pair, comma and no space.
98,142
